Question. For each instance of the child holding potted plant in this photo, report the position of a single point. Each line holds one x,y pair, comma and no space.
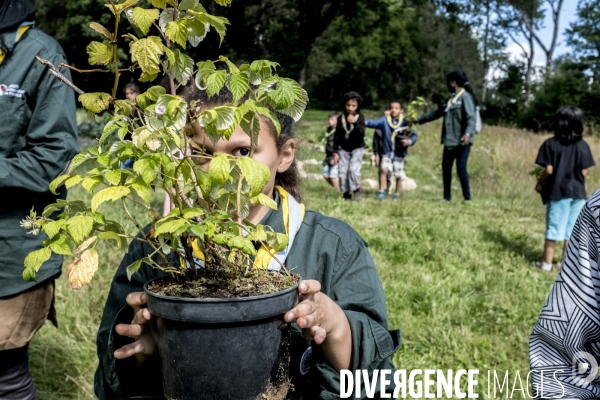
339,323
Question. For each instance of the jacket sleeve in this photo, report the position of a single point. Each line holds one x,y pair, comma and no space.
413,137
376,123
377,150
120,379
563,346
336,136
357,289
51,135
469,117
359,126
431,116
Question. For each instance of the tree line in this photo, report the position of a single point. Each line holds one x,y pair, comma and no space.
387,49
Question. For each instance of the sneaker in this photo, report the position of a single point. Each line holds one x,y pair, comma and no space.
396,197
381,195
347,196
542,265
358,194
445,201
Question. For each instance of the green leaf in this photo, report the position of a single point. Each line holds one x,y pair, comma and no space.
52,228
144,18
150,96
101,30
146,52
159,3
188,4
256,174
166,16
109,235
170,226
205,68
282,240
57,182
264,200
133,267
99,53
121,7
59,245
124,107
34,261
114,176
80,226
183,67
219,169
146,167
72,181
95,102
177,32
238,85
216,22
197,31
143,190
91,182
296,110
77,161
283,96
215,82
199,230
243,244
232,67
259,234
111,193
223,2
190,213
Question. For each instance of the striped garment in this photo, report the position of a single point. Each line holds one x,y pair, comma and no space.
565,342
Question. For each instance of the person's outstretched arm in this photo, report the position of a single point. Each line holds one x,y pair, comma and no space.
564,343
431,116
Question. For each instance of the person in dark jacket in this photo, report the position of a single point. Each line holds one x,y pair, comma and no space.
349,146
38,138
565,158
397,136
458,131
341,316
331,170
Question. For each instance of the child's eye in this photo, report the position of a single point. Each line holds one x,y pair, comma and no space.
241,152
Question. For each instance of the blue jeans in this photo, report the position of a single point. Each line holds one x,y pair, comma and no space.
461,155
15,379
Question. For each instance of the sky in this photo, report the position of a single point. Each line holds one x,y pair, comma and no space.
568,15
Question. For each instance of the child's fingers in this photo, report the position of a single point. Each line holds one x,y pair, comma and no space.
137,299
315,333
309,286
133,331
303,309
142,316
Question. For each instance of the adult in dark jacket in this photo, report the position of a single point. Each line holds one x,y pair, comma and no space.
38,138
458,131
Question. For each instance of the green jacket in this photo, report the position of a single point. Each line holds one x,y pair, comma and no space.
458,120
38,138
325,249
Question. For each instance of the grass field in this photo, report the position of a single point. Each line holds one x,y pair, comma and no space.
457,276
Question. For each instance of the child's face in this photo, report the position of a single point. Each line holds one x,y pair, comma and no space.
239,144
395,110
333,121
351,106
130,94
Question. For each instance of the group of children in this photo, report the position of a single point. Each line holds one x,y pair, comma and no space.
345,145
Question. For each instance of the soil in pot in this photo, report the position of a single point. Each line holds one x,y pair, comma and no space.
220,342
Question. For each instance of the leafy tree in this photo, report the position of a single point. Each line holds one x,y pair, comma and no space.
584,36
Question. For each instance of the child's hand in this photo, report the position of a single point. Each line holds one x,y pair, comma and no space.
139,330
336,158
386,112
465,140
405,142
377,160
538,187
352,119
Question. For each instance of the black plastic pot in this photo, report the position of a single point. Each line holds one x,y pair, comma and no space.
222,348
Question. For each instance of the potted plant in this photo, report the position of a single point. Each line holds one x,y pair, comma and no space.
212,305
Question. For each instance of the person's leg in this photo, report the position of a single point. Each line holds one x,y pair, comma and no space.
557,217
461,169
385,166
344,164
447,162
398,173
334,173
388,181
354,180
15,378
575,208
325,172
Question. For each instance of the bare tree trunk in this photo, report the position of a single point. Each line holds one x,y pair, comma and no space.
529,70
486,58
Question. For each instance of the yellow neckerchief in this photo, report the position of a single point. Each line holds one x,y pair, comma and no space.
453,100
265,252
20,31
344,125
395,128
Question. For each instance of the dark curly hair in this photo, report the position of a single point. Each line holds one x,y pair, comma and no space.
462,81
290,179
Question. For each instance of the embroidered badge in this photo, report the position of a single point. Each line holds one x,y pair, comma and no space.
11,90
305,361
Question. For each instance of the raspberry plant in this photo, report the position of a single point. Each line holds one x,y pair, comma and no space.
210,205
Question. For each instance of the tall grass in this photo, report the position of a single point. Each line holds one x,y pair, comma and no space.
457,277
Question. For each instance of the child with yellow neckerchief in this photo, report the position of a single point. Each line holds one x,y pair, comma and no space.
349,146
339,323
396,138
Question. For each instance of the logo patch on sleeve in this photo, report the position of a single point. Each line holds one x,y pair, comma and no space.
11,90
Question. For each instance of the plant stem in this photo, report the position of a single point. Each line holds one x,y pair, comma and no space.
115,58
150,242
54,71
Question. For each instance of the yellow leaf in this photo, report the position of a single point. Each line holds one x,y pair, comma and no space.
177,31
83,246
144,18
146,53
101,30
99,53
95,102
82,269
111,193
